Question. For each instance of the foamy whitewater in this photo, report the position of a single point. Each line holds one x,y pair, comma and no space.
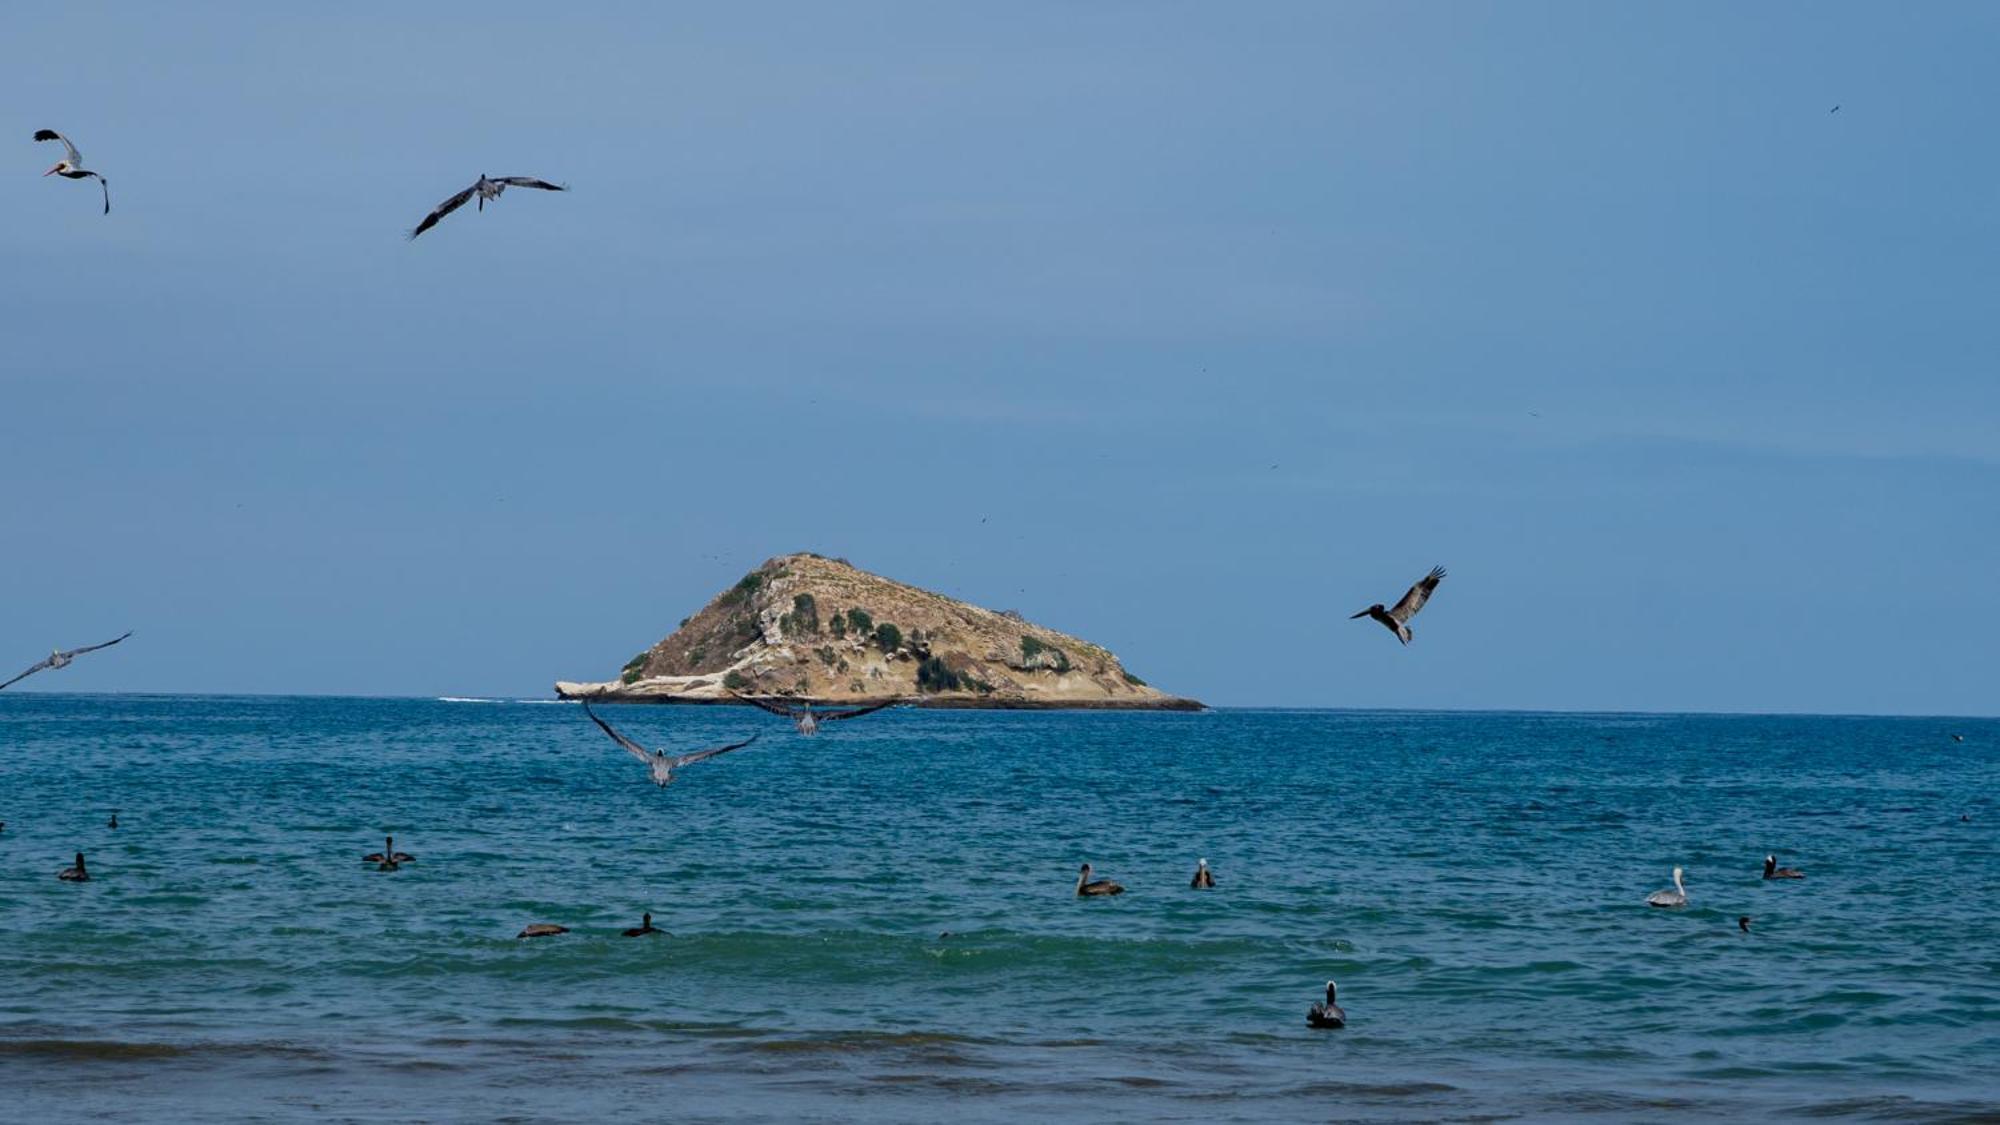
878,923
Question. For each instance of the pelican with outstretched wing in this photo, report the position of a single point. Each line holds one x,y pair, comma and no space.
61,658
661,765
486,188
1397,619
807,719
71,166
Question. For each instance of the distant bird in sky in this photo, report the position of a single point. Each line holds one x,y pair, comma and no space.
1329,1014
1397,620
71,167
1676,897
61,659
486,187
1835,109
657,761
807,719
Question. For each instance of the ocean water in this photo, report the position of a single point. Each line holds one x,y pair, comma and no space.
878,923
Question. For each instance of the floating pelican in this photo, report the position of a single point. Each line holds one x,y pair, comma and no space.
542,929
644,927
657,761
1328,1014
113,822
486,187
1773,871
1397,620
75,874
1676,897
61,659
808,720
1203,880
1086,887
71,167
388,859
1743,923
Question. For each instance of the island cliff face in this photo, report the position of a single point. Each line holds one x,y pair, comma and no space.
817,628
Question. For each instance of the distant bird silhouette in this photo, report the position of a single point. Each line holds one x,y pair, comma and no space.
75,874
1743,923
71,167
1958,738
1086,887
542,929
486,188
1676,897
1327,1015
113,822
61,659
1773,871
1397,620
644,927
1203,880
1835,109
807,719
388,859
658,762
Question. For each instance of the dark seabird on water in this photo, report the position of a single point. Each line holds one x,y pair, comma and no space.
1773,871
658,762
1329,1014
1203,879
542,929
1743,923
75,874
61,658
1086,887
71,167
807,719
1397,620
486,188
388,859
644,928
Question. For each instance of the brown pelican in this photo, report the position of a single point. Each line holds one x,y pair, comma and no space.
1773,871
657,761
1743,923
75,874
808,720
1203,880
1086,887
542,929
1397,620
486,187
1328,1014
61,659
1676,897
71,167
388,858
644,927
113,822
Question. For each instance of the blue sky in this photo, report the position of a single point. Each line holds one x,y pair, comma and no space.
1227,322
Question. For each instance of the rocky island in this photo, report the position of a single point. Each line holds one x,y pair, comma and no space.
810,627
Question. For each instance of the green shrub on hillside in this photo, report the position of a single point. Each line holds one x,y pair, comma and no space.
889,637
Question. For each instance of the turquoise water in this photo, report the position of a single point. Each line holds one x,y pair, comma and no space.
1475,882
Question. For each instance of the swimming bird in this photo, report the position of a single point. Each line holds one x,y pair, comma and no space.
1328,1014
1397,620
542,929
61,658
1958,738
75,874
485,187
657,761
1086,887
1743,923
807,719
1203,880
1773,871
388,858
1676,897
71,167
113,823
644,927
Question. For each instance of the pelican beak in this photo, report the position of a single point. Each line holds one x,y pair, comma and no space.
53,170
1352,616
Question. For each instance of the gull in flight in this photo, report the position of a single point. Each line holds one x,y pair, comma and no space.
808,720
61,659
71,167
486,187
1397,620
657,761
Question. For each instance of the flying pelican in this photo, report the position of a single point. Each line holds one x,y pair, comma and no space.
1396,620
1773,871
71,167
1676,897
542,929
808,720
1203,880
657,761
1328,1014
388,859
61,659
74,874
1086,887
485,187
